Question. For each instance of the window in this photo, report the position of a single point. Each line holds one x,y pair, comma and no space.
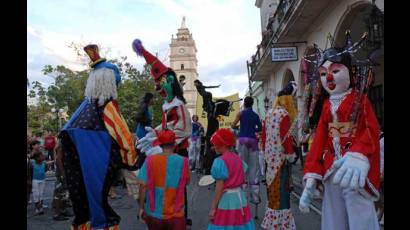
182,80
182,66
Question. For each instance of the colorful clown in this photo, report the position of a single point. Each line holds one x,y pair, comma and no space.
279,153
175,115
96,142
344,157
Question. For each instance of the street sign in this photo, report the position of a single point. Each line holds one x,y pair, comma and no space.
284,54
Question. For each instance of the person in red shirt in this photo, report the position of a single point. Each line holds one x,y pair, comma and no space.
49,146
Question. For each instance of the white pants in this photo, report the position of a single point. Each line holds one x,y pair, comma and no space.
38,190
346,209
193,154
251,158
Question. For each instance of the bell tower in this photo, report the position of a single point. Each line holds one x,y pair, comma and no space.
183,61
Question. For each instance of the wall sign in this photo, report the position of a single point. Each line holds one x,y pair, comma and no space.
284,54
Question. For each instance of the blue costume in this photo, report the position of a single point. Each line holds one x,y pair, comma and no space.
96,142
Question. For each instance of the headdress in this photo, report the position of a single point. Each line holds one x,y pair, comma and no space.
93,52
361,74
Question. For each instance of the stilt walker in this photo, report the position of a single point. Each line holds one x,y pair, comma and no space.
344,158
175,115
279,153
96,142
247,147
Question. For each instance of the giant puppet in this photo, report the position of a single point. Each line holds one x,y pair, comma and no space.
344,157
96,142
175,115
213,109
279,153
213,124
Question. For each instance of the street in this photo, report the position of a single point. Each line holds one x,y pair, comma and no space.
199,199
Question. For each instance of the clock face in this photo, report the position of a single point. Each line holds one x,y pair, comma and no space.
182,50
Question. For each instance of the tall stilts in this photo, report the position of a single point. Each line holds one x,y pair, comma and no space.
256,211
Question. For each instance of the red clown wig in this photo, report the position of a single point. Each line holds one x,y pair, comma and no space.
223,137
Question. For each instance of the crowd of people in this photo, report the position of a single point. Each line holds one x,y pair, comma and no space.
339,151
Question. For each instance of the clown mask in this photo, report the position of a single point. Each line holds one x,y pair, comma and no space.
334,77
165,86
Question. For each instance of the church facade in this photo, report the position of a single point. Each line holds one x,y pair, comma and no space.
185,64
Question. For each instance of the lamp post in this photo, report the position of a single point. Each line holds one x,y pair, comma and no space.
58,113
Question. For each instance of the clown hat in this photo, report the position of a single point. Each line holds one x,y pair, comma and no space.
93,52
157,67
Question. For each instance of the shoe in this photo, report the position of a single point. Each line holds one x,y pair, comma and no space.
60,218
188,222
39,212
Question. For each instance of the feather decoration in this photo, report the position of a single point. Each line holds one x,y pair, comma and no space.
137,47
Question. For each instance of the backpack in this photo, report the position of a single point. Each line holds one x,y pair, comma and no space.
49,142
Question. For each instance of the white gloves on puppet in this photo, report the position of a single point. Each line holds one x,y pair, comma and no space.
352,172
307,195
145,143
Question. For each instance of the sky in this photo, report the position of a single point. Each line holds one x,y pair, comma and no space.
226,33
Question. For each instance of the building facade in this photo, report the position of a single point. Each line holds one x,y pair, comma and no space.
302,23
183,61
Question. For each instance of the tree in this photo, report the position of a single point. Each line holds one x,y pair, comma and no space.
67,91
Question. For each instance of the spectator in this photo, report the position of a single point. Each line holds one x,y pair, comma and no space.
144,119
29,178
163,178
34,148
195,145
39,175
60,201
49,145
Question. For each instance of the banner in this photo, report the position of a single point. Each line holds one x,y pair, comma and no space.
224,122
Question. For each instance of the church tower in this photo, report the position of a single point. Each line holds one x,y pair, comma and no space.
183,61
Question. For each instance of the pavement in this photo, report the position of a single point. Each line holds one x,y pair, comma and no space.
199,202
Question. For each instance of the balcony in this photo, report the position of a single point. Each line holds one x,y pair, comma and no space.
290,21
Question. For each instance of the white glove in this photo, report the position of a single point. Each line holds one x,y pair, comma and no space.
290,157
307,195
352,172
145,143
153,150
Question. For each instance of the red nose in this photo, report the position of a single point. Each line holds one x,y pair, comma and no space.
329,77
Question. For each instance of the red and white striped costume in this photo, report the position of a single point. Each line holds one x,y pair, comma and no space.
176,117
